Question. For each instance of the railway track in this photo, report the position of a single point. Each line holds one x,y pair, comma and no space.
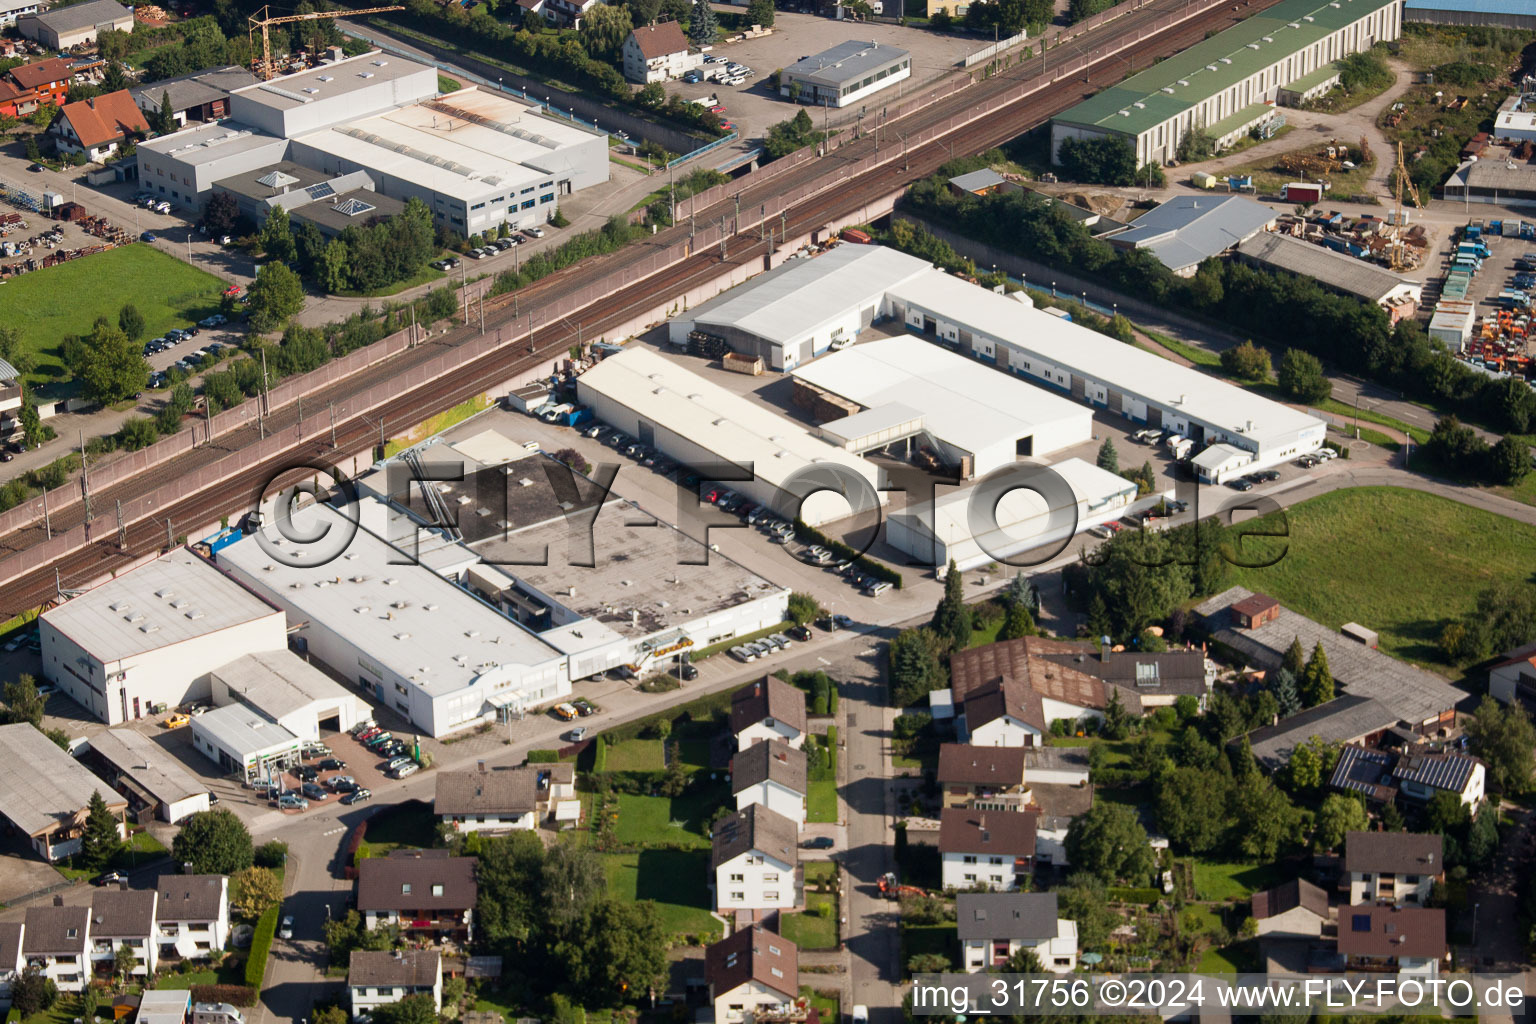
353,431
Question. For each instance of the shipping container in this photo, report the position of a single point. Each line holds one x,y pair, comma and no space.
854,235
741,362
1302,192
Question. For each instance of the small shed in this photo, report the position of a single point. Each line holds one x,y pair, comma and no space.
1220,462
1359,633
1253,612
978,183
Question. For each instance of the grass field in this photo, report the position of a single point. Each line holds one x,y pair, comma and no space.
140,849
168,292
821,801
677,880
1238,958
637,756
675,821
1215,880
1439,554
439,423
1269,174
811,930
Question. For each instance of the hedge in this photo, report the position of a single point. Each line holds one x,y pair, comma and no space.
600,756
706,709
543,756
261,945
235,995
808,534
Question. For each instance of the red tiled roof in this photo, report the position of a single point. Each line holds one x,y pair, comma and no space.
659,40
104,119
42,72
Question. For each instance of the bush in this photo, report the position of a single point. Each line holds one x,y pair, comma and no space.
261,946
599,756
235,995
543,756
271,854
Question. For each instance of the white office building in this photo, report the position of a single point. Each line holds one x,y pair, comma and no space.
844,74
150,636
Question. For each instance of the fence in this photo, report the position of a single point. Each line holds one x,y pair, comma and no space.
707,147
988,52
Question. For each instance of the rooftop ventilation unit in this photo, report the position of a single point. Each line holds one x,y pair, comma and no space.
365,74
1268,39
1225,60
1184,82
1168,89
1139,105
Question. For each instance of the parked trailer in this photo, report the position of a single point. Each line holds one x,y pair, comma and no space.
1203,179
1302,192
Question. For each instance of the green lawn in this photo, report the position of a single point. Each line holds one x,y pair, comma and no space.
140,849
672,821
810,930
826,1003
1217,881
1438,553
1196,355
929,938
409,824
677,880
637,756
232,972
1238,958
821,801
168,292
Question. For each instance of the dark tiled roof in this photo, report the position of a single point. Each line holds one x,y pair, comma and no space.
10,945
381,882
1382,931
774,761
1007,833
403,967
963,764
190,897
1519,656
1344,719
505,791
1288,896
1161,672
48,930
1363,770
755,828
767,698
1004,697
1006,915
1398,853
753,954
122,913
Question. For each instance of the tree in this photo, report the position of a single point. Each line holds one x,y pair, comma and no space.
255,889
1446,813
1509,461
1316,684
507,909
1109,843
1196,145
1191,808
131,322
1295,658
32,993
1262,821
1304,768
760,12
109,366
1017,623
1339,815
12,350
277,236
572,880
651,95
604,29
1502,736
1246,361
1084,900
22,701
1302,378
101,841
1109,458
702,27
214,843
333,267
1117,720
803,607
124,962
1104,160
915,667
165,117
416,1009
275,296
620,952
952,618
221,214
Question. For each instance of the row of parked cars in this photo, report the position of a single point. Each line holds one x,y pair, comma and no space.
493,247
150,201
767,645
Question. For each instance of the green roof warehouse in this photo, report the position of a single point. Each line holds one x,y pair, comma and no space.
1232,81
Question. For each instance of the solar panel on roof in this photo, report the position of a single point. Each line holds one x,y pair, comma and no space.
1360,922
321,191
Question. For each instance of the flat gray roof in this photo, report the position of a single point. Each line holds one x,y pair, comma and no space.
86,15
42,787
1187,229
845,62
146,763
328,81
1333,269
175,598
242,730
194,89
215,140
278,683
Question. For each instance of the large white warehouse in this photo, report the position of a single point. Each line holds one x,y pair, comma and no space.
698,422
150,636
409,638
980,420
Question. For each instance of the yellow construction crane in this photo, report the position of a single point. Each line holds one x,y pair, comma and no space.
1403,183
262,65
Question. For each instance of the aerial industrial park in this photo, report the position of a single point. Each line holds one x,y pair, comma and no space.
782,512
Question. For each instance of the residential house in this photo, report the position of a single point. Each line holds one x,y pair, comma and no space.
98,126
1004,713
55,941
1407,940
567,13
25,88
1383,776
656,53
1293,910
755,861
771,774
986,849
124,917
994,927
750,972
1011,691
1393,867
504,800
191,915
427,893
1514,678
986,777
528,7
768,709
388,976
10,959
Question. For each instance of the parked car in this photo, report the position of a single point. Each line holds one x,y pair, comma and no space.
313,792
331,764
799,633
304,773
1240,484
292,802
341,783
396,763
110,878
577,734
818,843
405,770
584,707
357,796
687,673
148,236
741,653
285,930
536,232
691,77
177,721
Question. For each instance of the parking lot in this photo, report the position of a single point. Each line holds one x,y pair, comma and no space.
753,106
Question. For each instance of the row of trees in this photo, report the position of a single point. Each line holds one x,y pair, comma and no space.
1106,160
1458,449
366,257
1278,307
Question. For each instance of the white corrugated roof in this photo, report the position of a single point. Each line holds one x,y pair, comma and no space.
731,426
175,598
242,730
144,761
278,683
964,403
40,785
